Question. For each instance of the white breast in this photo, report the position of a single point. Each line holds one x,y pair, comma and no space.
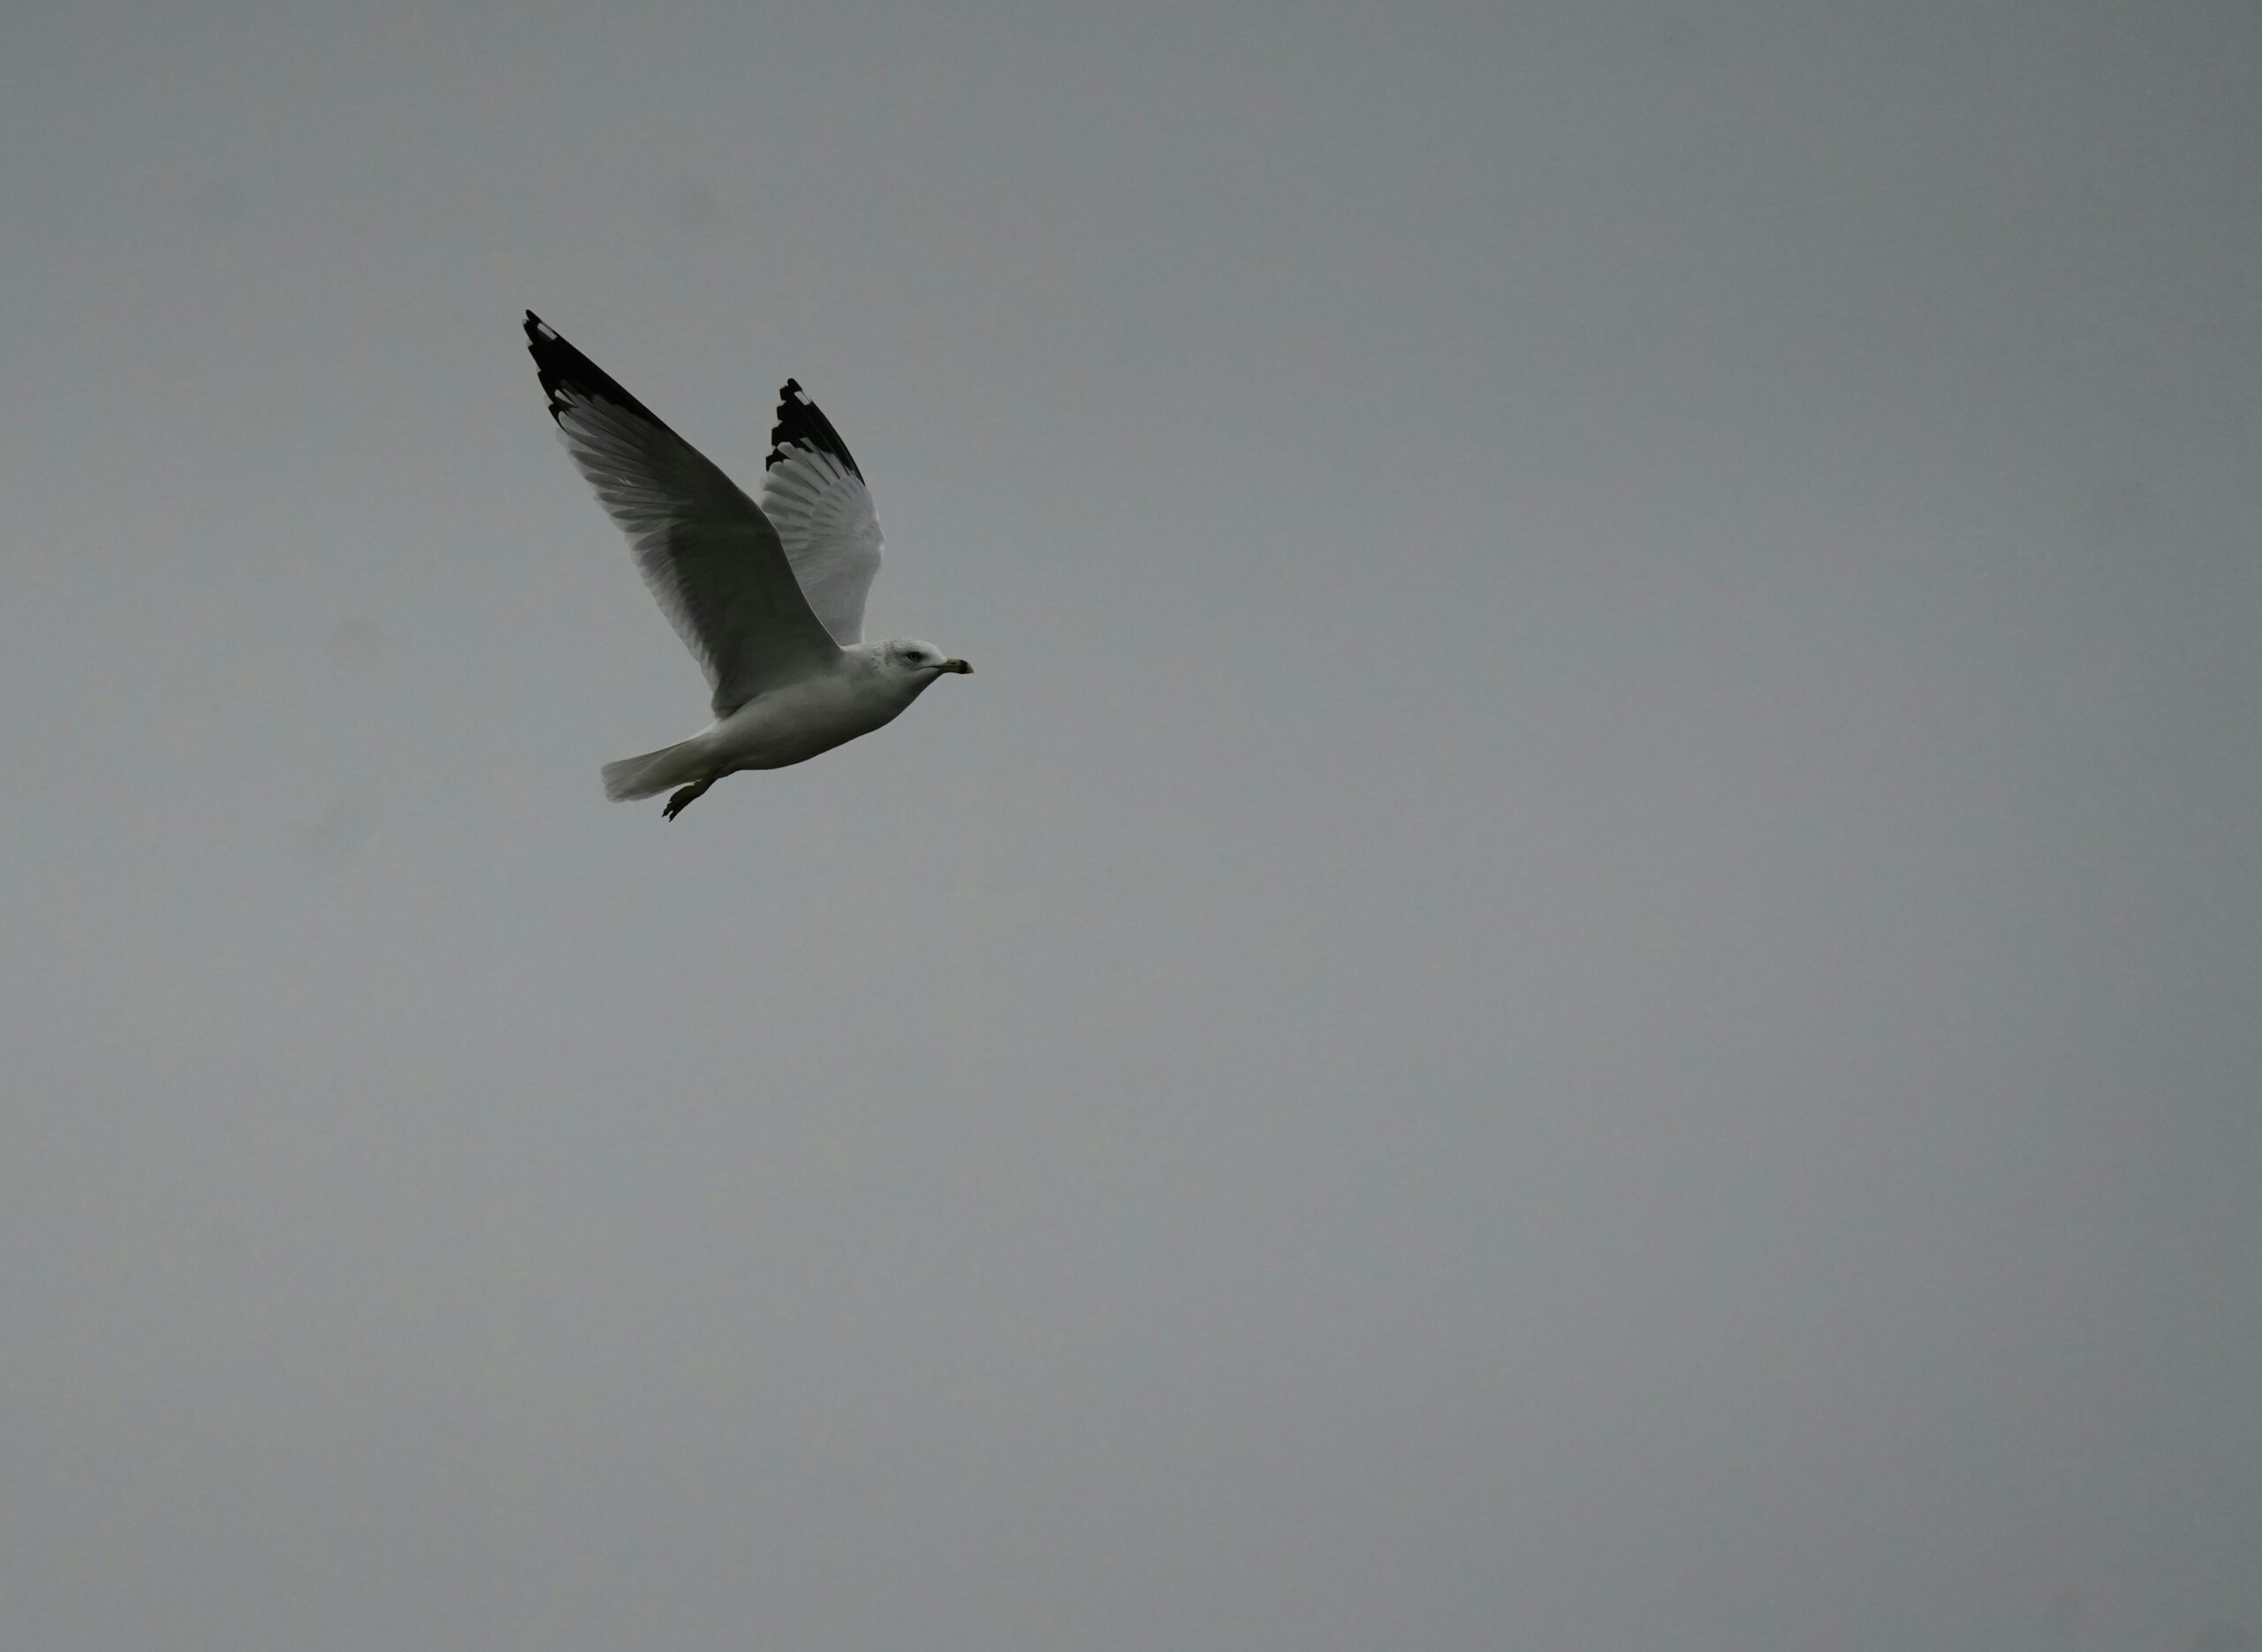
794,724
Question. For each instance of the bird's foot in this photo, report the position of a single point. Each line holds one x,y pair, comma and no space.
684,799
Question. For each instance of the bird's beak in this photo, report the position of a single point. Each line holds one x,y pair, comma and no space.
959,666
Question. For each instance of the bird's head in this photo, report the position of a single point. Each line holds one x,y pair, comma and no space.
922,661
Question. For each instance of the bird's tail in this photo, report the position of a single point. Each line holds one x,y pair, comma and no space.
654,772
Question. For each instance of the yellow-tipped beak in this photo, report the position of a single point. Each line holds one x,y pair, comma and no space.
959,666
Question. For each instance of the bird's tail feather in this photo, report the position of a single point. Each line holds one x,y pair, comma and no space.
654,772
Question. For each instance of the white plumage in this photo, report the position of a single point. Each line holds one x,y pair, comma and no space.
768,598
822,512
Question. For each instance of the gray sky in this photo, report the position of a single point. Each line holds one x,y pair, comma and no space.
1581,972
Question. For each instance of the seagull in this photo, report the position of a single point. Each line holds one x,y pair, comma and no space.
768,598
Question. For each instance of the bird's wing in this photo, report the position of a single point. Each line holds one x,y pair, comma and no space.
710,556
814,494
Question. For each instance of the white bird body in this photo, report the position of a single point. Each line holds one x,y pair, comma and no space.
864,690
768,598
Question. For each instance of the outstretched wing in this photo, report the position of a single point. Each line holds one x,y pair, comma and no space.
712,559
815,496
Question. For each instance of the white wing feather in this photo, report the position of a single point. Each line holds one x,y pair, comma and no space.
815,496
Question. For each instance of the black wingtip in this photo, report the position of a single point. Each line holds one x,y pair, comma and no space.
800,424
566,374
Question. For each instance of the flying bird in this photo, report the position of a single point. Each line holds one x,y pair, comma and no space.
768,597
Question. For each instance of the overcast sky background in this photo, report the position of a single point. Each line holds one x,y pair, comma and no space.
1581,973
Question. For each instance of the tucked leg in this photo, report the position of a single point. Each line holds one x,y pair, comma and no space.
684,799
